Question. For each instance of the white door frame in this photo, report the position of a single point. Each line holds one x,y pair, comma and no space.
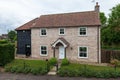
61,52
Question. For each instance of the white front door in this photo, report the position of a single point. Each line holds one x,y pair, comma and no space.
61,52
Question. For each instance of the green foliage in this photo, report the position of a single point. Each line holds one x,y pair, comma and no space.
53,61
115,62
73,70
114,17
3,41
64,62
12,35
27,66
103,19
110,35
6,53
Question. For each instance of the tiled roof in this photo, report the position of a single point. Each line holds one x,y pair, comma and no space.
63,40
89,18
27,25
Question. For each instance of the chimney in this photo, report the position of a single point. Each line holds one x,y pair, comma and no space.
97,7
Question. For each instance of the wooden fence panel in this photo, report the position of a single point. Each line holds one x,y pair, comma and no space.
107,55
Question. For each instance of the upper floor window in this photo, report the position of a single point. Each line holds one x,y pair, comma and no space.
43,32
43,50
61,31
83,52
82,31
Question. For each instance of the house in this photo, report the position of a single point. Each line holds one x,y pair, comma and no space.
75,36
4,36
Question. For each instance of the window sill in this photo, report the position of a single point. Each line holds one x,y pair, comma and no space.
43,55
83,57
43,35
61,34
82,35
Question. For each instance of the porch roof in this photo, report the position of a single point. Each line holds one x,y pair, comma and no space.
62,41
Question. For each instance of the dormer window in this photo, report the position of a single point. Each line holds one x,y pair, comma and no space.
61,31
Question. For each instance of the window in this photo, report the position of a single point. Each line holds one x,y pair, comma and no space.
83,31
83,51
43,50
43,32
61,31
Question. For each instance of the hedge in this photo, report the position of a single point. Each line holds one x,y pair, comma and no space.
3,41
6,53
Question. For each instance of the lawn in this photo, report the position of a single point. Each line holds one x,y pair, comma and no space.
73,70
27,66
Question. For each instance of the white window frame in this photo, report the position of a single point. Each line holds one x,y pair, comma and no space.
41,32
79,52
46,50
59,31
79,31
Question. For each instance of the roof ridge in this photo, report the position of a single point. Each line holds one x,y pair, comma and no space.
67,13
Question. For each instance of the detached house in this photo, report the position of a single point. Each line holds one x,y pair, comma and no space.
75,36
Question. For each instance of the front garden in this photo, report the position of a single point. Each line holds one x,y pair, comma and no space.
82,70
30,66
27,66
40,67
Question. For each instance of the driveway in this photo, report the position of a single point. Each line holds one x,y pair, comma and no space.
10,76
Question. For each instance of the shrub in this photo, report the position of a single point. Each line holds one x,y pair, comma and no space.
115,62
35,71
6,53
3,41
13,69
73,70
26,70
64,62
53,61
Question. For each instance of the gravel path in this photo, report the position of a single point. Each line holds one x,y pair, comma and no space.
10,76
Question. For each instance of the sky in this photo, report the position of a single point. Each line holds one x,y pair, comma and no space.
14,13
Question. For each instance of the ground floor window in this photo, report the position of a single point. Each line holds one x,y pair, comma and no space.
83,52
43,50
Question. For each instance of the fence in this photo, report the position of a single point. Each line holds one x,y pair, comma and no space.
107,55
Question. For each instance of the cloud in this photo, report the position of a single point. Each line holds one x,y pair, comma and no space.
14,13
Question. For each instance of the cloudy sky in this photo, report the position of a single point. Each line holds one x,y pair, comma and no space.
14,13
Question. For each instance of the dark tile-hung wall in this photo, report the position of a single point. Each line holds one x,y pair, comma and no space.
24,38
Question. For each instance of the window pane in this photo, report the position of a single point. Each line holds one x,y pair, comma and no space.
43,50
43,31
82,51
43,47
61,30
82,31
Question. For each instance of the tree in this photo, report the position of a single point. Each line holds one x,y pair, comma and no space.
114,18
110,35
12,35
103,19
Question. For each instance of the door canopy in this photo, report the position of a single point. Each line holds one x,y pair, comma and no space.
62,41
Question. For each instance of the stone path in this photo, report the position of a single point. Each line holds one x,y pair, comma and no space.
53,71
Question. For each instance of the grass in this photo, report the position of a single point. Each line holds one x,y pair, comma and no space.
30,63
27,66
73,70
